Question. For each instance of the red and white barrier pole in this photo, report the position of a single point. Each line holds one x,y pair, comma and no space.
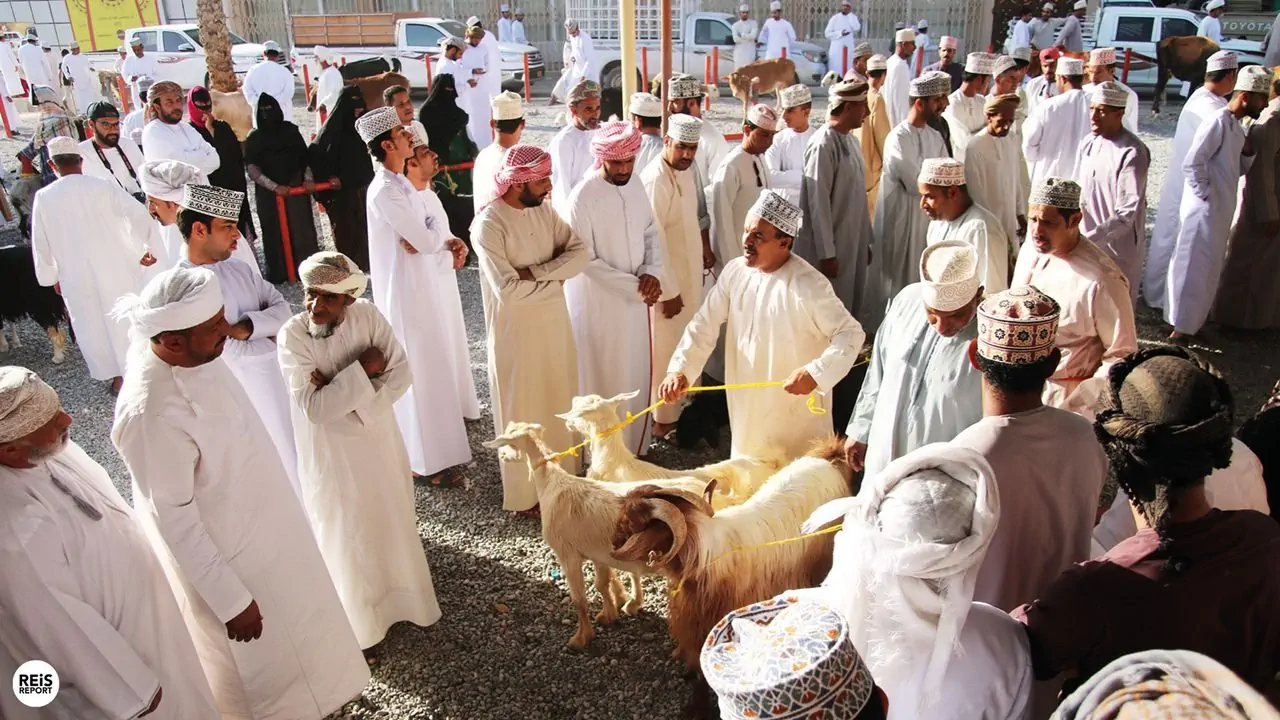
919,61
844,61
707,75
4,117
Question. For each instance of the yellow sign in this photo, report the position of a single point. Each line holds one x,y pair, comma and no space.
100,24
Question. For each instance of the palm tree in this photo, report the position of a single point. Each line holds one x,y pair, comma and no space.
217,45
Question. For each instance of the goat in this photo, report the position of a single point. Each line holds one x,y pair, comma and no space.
716,560
578,517
233,109
761,76
24,297
371,87
737,478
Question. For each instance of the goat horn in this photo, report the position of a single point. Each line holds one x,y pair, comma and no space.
698,501
622,551
668,513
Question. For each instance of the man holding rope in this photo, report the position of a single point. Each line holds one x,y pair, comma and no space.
781,316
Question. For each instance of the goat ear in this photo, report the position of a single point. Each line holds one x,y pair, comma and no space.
711,490
495,444
567,416
623,397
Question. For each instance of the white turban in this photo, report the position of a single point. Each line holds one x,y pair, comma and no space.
333,272
165,179
907,559
176,299
27,403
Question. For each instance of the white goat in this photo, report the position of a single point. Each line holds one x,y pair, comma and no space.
578,518
720,561
736,479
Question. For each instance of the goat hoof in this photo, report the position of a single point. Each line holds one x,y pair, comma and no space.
580,640
633,607
605,617
59,358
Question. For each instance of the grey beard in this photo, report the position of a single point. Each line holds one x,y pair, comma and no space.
37,455
320,332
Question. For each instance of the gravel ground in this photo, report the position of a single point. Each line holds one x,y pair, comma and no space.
500,650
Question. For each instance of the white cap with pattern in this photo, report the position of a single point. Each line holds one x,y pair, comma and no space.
1056,192
777,211
1222,60
905,35
62,145
682,87
979,63
1021,53
1214,5
507,106
1003,64
744,8
1254,79
1110,93
877,62
1070,66
763,117
941,172
214,201
1080,5
934,82
847,91
775,5
1102,57
949,275
645,105
685,129
863,49
794,96
948,42
375,122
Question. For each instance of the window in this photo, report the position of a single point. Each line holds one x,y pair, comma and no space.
173,41
148,38
1177,27
417,35
1134,29
194,34
712,32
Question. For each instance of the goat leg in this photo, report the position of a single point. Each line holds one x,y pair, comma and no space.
605,580
59,340
636,604
571,568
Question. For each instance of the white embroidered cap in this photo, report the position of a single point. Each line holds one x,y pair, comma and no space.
847,91
1017,326
375,122
507,106
1110,93
1070,66
863,49
934,82
214,201
1222,60
62,145
1254,79
775,5
905,35
744,8
948,42
1048,6
979,63
504,8
1003,64
645,105
473,21
270,46
322,53
877,62
1022,53
418,135
1056,192
1080,5
682,87
685,129
777,211
949,275
449,41
794,96
1214,5
333,272
942,172
27,403
1102,57
922,24
763,117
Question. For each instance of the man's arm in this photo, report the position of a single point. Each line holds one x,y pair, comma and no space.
349,390
397,207
1117,331
1204,146
1131,191
582,220
275,310
724,187
703,332
833,320
816,200
46,262
859,428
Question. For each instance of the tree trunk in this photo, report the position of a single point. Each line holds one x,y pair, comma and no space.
217,45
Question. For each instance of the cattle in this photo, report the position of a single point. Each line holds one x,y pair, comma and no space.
1184,58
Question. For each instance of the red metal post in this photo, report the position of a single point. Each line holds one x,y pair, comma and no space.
644,68
707,73
1128,58
844,61
784,52
124,94
427,59
528,81
4,117
919,61
290,269
306,81
715,67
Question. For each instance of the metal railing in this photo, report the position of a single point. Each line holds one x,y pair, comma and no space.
285,240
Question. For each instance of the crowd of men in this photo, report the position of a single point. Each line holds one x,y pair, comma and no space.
272,454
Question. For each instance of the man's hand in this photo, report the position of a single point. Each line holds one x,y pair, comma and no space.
472,82
247,626
309,186
800,383
373,361
459,250
856,453
155,703
650,289
829,267
57,287
525,274
672,307
241,330
282,190
208,121
336,183
1248,146
147,259
672,387
708,257
407,247
318,379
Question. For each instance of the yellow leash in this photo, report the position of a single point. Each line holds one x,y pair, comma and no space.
771,543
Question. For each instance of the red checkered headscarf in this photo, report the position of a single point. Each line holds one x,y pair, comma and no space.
615,141
522,164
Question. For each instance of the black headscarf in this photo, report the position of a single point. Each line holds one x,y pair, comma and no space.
338,150
442,118
274,145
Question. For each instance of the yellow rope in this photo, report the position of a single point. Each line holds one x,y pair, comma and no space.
771,543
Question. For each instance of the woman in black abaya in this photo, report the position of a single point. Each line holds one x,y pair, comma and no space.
446,126
339,152
218,133
276,159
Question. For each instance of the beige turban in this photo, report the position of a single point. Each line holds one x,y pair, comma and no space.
165,179
176,299
333,272
26,403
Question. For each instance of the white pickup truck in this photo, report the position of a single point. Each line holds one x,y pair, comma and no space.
179,54
417,38
695,35
1141,27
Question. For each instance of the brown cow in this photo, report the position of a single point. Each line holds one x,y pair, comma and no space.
1184,58
760,77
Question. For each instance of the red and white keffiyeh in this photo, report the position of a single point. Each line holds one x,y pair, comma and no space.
522,164
615,141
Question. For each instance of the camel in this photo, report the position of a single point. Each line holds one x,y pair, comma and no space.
1183,58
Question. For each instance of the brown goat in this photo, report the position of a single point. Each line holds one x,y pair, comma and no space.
760,77
371,87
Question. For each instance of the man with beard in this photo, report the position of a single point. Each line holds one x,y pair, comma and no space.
169,138
737,182
81,586
526,253
255,310
685,94
921,388
745,32
220,513
1045,85
571,147
993,172
345,371
1102,69
163,183
873,132
106,154
842,30
609,302
897,83
779,313
1096,328
945,196
947,47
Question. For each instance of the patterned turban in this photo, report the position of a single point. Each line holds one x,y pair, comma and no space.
522,164
949,275
333,272
617,140
162,88
26,403
583,90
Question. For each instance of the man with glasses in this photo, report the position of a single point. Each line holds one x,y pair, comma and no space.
107,154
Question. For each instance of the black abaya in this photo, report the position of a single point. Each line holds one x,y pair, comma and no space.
339,152
276,155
